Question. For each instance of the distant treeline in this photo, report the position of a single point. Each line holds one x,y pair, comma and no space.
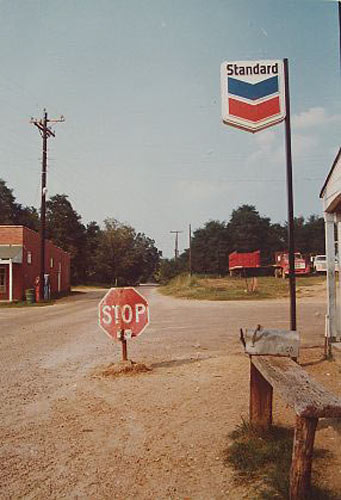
114,254
117,254
246,231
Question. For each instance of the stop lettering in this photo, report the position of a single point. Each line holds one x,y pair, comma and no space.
125,314
123,309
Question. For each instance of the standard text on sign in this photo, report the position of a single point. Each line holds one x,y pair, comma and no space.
255,69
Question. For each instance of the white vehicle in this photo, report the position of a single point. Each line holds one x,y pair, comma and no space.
320,264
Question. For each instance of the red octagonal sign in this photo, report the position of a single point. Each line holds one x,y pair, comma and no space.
123,309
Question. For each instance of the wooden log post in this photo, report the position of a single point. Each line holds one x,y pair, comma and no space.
309,400
302,455
260,399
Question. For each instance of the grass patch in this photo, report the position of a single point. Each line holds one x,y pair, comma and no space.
264,458
234,288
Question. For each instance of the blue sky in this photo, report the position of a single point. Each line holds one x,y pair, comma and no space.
138,82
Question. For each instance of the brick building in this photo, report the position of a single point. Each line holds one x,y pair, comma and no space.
20,263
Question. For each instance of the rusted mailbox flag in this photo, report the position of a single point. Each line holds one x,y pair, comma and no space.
261,341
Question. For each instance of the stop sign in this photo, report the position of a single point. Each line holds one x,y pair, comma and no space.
123,309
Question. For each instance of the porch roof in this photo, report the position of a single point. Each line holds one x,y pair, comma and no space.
13,252
331,190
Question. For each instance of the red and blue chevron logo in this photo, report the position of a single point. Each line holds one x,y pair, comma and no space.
253,101
253,94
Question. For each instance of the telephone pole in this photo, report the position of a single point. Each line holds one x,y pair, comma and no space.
45,132
176,249
190,250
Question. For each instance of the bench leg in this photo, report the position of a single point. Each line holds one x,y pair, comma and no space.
302,455
260,399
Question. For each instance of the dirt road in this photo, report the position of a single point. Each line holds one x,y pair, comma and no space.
68,432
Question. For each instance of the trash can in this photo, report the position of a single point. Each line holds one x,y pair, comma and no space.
30,296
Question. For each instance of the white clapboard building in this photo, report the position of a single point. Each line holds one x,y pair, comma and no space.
331,199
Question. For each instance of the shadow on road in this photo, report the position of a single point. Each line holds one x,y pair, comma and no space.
312,363
178,362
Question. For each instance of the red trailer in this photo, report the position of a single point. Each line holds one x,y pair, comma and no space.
241,262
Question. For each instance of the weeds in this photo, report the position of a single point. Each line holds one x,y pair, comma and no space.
204,288
266,455
234,288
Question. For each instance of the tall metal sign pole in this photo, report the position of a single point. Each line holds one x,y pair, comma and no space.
291,240
46,133
255,96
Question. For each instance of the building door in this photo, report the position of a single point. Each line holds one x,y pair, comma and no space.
59,277
3,283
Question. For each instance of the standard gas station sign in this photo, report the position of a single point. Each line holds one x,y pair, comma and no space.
253,94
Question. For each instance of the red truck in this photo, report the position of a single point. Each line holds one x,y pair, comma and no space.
249,263
282,264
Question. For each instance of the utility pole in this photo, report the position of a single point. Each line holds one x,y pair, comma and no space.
176,250
45,132
190,250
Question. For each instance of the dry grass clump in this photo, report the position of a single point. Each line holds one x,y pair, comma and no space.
124,368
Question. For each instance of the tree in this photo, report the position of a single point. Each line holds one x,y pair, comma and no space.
116,254
147,257
65,229
210,248
309,235
249,232
93,239
7,204
12,212
124,257
314,234
27,216
169,268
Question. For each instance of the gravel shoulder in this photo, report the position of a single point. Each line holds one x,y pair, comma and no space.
67,431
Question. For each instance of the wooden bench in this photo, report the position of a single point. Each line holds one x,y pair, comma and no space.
309,400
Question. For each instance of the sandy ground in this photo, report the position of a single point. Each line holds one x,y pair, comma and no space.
67,431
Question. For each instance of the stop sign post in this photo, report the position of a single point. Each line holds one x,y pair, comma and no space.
123,313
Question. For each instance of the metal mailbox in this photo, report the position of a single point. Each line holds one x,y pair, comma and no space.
262,341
